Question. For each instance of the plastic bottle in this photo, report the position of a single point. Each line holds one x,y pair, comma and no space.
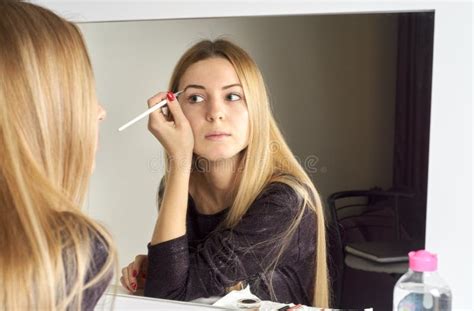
421,288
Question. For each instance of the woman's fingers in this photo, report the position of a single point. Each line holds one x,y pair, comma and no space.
140,267
173,132
124,284
155,99
177,115
125,279
156,117
141,282
144,266
132,276
138,263
175,108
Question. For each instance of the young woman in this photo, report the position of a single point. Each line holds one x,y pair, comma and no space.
53,257
235,206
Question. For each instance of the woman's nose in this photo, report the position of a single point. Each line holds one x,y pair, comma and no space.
215,110
102,113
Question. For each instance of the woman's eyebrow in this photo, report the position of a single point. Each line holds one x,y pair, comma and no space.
231,85
197,86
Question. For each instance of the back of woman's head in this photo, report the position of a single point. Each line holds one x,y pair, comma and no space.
48,120
267,158
48,102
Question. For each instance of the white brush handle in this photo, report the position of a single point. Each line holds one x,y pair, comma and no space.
144,114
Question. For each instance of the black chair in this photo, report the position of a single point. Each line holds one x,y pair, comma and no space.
373,240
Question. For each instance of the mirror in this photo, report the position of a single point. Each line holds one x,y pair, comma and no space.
332,81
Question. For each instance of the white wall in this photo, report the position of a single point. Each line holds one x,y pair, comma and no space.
450,188
449,219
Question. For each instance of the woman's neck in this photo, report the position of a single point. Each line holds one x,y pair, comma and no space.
215,185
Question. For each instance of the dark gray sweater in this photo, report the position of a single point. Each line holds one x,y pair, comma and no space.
100,253
208,259
93,294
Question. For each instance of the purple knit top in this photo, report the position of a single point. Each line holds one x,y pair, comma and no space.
209,259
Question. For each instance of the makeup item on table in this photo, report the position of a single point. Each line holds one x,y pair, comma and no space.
161,104
249,304
291,307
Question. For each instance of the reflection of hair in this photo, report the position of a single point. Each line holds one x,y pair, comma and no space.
267,158
48,123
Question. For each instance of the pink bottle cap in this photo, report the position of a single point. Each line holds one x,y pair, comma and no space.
423,261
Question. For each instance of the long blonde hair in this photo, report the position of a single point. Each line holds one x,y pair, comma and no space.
48,125
267,158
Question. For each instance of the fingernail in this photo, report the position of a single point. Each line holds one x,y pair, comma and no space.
134,286
144,275
170,96
134,273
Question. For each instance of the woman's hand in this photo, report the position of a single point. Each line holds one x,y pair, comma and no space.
173,131
134,275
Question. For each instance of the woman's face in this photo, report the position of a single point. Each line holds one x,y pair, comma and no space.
213,102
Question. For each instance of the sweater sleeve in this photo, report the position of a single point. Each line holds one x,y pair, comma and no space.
244,253
100,254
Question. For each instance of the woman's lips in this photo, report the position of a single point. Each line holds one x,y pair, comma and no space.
217,136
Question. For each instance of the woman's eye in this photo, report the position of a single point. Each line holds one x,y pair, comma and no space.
195,99
233,97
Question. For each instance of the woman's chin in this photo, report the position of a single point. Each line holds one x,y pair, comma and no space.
215,156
